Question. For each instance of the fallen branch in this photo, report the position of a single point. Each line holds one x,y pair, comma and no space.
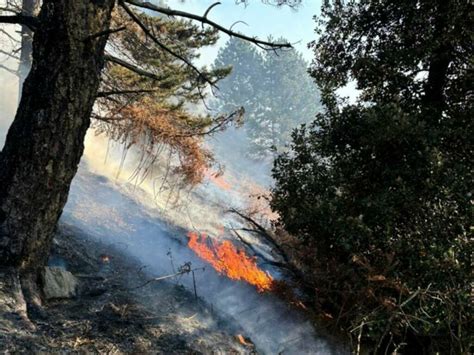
184,269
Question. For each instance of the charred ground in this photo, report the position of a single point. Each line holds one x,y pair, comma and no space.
110,315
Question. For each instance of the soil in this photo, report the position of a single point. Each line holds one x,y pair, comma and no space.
113,313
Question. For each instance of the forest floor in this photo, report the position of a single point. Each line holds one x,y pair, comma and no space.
112,314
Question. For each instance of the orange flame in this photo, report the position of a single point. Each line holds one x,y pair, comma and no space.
242,340
228,260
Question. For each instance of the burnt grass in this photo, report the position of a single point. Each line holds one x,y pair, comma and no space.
110,315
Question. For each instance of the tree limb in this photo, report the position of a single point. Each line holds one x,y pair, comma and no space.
133,68
205,20
124,92
29,21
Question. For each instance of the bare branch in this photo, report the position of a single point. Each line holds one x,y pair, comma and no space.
210,8
205,20
11,71
13,39
236,23
9,54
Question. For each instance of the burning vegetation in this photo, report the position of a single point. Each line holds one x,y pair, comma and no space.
226,259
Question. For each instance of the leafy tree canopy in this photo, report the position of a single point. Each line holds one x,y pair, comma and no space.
380,191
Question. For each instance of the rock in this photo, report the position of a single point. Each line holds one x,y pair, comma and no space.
58,283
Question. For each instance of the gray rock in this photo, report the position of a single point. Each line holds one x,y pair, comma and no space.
58,283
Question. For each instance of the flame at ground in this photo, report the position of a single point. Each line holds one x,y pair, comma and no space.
228,260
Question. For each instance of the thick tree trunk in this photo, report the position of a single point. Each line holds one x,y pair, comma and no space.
45,142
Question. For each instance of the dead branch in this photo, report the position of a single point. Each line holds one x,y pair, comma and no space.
221,122
205,20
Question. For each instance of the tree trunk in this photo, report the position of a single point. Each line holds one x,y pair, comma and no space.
441,58
45,142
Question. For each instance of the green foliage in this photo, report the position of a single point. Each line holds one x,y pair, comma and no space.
380,192
274,88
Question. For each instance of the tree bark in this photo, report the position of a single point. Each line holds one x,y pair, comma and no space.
45,142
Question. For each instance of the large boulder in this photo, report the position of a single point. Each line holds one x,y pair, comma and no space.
58,283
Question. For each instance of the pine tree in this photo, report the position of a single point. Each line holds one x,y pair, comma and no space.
274,89
148,113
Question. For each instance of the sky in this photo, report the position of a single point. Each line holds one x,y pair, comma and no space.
298,26
263,20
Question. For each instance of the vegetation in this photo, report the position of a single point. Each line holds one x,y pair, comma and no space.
378,192
274,88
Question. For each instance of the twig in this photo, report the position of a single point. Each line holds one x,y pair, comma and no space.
9,54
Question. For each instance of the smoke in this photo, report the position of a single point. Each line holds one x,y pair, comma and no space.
111,213
8,82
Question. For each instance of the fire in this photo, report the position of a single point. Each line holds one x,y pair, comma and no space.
244,341
227,260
